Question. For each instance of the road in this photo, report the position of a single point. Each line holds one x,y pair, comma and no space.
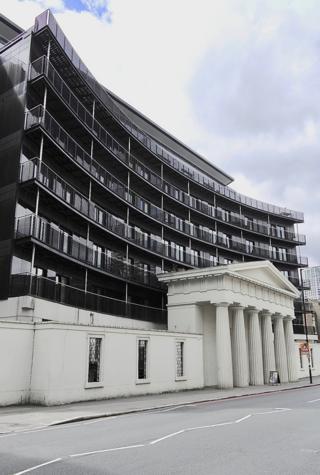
276,433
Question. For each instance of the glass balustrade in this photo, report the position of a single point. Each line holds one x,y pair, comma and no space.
33,169
43,287
57,239
38,116
43,66
47,19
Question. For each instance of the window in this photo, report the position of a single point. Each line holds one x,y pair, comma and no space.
225,215
280,231
99,215
142,359
180,359
282,254
248,222
194,257
249,246
273,252
94,357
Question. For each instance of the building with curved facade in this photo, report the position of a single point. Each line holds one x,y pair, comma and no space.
96,200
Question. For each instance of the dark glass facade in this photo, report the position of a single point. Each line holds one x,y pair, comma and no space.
95,200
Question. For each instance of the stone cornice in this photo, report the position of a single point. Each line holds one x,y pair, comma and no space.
230,270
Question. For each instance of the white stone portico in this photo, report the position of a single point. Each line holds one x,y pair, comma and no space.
244,312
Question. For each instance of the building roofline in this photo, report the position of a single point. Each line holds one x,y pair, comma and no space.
225,178
11,24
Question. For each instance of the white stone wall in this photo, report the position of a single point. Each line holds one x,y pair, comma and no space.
60,360
315,345
16,345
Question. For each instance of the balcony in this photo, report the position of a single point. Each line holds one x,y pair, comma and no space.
46,19
38,116
50,235
33,169
25,284
42,66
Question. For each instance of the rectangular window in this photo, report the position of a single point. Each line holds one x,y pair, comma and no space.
282,254
280,231
249,246
94,363
273,252
179,359
142,359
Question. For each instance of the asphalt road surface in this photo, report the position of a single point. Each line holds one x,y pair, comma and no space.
278,433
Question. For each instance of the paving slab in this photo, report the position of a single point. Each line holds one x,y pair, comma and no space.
28,417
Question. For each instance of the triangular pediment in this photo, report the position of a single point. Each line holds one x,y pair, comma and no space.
264,272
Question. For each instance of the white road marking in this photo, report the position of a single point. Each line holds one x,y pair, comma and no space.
167,436
220,424
102,419
242,419
31,469
174,408
313,400
115,449
277,409
153,442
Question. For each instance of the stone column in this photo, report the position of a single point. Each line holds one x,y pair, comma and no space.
239,348
269,363
255,349
291,349
223,347
280,348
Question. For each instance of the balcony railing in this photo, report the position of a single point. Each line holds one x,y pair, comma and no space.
38,116
25,284
33,169
57,239
43,66
47,19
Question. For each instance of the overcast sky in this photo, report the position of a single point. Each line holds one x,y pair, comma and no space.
238,81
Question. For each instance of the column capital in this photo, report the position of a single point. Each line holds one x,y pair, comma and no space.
277,316
236,306
221,304
289,318
265,313
252,310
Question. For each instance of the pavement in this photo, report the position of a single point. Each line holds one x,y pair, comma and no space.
24,418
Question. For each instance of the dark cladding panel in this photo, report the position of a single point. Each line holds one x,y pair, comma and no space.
13,81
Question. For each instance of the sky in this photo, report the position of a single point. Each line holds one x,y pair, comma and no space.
236,80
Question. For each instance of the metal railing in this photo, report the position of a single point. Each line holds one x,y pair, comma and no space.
43,287
33,169
39,116
66,244
43,66
47,19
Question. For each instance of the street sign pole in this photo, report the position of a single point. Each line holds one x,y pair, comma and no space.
305,326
